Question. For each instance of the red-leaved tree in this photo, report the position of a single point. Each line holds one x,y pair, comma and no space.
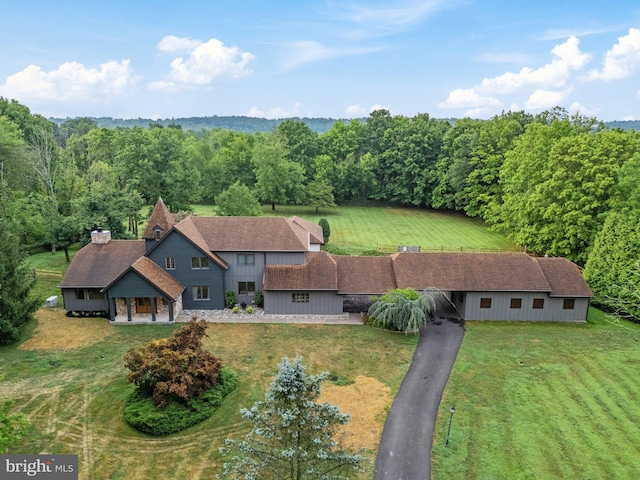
174,367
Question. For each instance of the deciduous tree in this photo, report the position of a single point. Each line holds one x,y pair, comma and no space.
175,367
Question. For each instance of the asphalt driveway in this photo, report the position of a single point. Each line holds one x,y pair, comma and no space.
404,452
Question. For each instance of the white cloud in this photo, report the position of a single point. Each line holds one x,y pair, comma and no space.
462,98
70,81
545,87
541,99
206,63
307,51
555,74
582,110
356,111
621,60
276,112
171,43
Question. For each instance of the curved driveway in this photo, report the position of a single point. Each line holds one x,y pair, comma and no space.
404,452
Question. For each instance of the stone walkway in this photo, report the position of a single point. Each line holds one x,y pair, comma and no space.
227,316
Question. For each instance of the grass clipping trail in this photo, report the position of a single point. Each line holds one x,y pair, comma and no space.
366,401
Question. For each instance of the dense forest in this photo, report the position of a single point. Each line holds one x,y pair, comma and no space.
557,184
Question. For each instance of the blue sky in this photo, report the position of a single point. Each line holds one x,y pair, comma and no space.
316,58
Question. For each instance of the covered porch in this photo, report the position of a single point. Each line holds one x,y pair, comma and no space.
145,310
144,294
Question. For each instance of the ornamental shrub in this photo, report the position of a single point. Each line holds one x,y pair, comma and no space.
249,310
258,299
326,229
177,415
230,298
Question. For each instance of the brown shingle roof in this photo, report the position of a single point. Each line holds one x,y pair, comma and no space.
160,217
498,272
313,228
365,275
158,277
319,272
188,228
97,265
564,277
250,234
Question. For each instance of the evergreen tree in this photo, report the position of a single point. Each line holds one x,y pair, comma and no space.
17,305
293,436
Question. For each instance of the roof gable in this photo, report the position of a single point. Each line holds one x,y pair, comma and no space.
313,229
160,218
565,278
190,232
157,277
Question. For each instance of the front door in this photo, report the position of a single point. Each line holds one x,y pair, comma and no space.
143,305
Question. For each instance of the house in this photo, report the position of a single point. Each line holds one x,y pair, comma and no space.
192,263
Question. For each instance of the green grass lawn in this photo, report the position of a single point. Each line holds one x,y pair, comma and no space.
74,398
358,229
533,400
542,401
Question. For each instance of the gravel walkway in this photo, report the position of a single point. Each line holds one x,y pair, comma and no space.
258,316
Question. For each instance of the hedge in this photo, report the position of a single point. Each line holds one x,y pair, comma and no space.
141,413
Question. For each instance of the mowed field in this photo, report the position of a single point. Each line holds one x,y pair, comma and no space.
358,229
533,401
542,401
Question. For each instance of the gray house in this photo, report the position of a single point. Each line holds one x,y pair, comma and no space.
191,264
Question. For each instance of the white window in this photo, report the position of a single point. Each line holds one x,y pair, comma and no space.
246,259
170,263
246,288
300,298
201,292
199,263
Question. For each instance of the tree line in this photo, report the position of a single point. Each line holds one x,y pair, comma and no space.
557,184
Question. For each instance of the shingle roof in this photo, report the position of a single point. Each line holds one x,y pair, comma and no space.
188,228
250,234
499,272
463,272
319,272
564,277
365,275
313,228
158,277
160,217
97,265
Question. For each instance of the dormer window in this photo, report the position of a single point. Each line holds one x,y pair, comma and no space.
156,234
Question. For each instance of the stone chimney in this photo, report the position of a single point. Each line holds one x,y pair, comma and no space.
100,236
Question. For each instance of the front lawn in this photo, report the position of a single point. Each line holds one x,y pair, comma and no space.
70,381
540,400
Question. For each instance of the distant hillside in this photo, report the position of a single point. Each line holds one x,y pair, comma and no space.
241,124
624,124
252,124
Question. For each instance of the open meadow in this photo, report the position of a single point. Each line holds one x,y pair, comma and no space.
533,400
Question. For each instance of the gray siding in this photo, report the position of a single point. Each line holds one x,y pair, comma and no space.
320,303
285,258
133,285
469,307
72,304
243,273
176,246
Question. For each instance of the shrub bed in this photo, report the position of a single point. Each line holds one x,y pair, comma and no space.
141,413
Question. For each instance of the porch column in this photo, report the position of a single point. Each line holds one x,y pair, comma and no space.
128,302
153,309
